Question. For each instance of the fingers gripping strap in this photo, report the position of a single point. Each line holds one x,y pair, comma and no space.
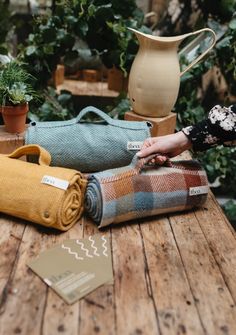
44,156
140,163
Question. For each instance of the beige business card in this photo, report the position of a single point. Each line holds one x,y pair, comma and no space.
76,267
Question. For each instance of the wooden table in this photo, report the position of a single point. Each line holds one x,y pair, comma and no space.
174,274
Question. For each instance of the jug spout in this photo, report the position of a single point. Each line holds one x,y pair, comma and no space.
140,35
176,40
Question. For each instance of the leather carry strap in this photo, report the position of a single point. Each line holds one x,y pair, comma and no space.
94,110
44,155
140,163
135,125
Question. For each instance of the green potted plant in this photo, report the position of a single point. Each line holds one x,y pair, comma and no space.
15,93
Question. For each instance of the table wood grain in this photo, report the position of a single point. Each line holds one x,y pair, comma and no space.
174,274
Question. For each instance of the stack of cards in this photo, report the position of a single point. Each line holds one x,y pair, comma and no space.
76,267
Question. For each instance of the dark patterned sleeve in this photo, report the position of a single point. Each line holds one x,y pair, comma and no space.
218,128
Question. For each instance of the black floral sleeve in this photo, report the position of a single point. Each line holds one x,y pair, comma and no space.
218,128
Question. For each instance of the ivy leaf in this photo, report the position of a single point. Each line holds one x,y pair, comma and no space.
139,15
31,50
230,209
48,49
224,43
31,37
186,76
232,24
71,19
83,27
63,98
91,10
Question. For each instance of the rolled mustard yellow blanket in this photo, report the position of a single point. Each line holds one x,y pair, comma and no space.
50,196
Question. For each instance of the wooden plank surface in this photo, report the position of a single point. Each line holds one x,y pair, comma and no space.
79,87
173,274
97,309
177,312
134,305
212,297
9,142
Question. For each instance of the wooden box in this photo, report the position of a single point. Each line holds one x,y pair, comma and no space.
160,125
9,142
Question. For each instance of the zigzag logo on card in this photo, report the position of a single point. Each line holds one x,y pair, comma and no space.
76,267
93,247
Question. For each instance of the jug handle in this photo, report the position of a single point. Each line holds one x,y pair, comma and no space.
195,61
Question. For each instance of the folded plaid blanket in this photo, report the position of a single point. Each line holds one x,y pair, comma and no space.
50,196
141,190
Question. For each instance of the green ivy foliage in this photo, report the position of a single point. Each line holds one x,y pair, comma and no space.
219,9
226,55
50,40
102,24
230,210
5,25
55,107
192,106
220,164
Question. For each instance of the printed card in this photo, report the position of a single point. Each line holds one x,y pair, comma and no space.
76,267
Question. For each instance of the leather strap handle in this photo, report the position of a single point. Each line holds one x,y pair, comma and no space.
44,155
94,110
140,163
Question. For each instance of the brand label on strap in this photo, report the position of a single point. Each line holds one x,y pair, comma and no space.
55,182
131,146
198,190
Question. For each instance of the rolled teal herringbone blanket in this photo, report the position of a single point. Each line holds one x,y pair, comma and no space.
139,190
88,146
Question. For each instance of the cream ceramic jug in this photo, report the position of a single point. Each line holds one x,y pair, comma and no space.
155,73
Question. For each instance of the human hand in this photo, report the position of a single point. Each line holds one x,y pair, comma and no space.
165,146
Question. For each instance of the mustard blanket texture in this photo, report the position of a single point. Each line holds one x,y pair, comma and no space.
24,194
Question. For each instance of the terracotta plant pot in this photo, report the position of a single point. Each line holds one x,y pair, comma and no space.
14,117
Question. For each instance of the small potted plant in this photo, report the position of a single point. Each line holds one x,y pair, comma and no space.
15,94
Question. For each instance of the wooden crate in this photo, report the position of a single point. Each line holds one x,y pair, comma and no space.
9,142
160,125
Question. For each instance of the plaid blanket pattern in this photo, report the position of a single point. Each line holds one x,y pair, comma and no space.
139,190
